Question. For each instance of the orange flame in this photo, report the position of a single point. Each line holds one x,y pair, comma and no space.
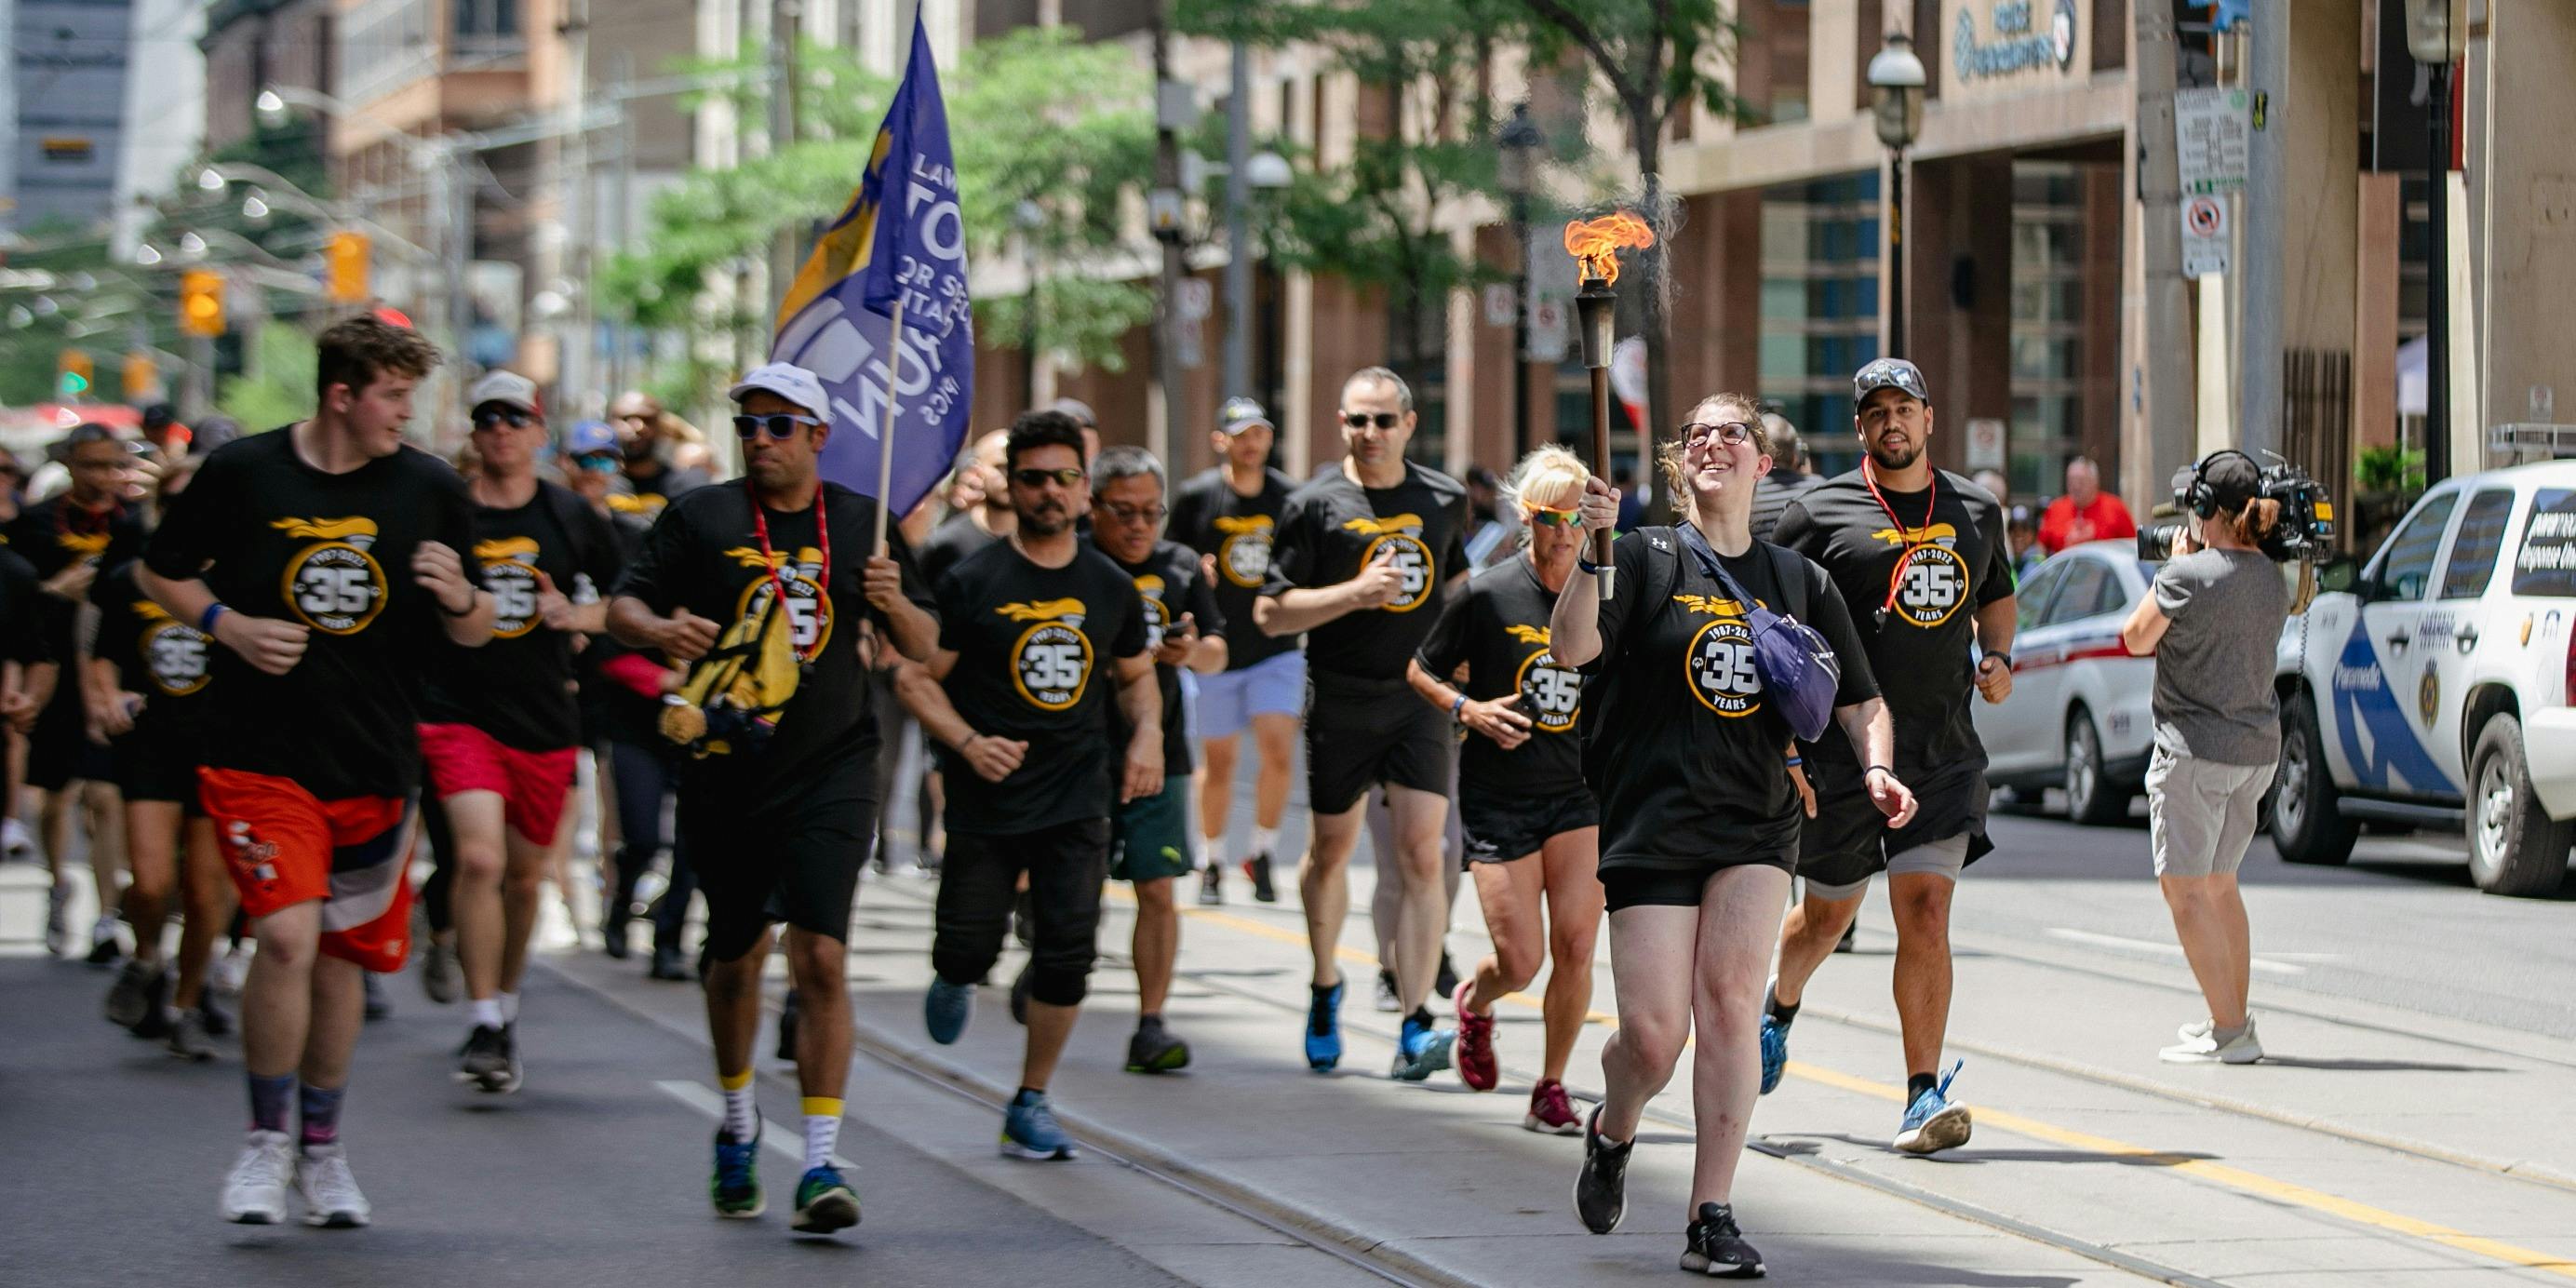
1597,242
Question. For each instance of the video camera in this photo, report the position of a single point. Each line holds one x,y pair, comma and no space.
2305,529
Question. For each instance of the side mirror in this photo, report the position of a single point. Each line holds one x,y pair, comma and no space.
2340,574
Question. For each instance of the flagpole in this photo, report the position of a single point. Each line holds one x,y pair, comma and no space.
885,439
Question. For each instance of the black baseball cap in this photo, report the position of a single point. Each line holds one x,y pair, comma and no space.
2232,478
1890,373
1240,414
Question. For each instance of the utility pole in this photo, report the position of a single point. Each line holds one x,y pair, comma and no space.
785,26
1238,232
2258,354
2164,369
1167,210
2437,276
622,197
575,254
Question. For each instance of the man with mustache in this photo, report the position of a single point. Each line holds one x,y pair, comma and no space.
1920,559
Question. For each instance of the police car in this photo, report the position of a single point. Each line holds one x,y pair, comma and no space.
2431,688
2078,716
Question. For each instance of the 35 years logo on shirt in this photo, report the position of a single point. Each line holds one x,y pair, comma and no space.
1051,661
1401,537
335,584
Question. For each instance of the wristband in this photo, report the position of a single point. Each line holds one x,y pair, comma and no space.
1877,769
1589,566
1458,706
2000,655
206,620
1794,761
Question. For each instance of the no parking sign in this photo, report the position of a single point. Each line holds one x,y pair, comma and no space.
2204,236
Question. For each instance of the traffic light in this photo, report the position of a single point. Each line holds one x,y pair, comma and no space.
142,378
201,302
347,262
72,374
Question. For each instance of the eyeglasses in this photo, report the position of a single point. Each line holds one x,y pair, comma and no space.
1362,420
596,462
1135,513
779,425
490,417
1064,478
1541,516
1733,433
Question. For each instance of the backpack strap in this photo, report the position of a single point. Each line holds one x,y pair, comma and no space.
1790,567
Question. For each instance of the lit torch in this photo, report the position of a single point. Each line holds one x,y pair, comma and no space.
1595,244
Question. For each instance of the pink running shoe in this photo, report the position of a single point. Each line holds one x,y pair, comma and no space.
1476,1064
1551,1111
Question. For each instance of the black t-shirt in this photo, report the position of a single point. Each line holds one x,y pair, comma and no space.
1923,648
956,537
1332,527
519,687
1035,649
704,554
1690,764
1499,629
53,534
272,536
648,496
1171,583
169,662
22,611
1210,517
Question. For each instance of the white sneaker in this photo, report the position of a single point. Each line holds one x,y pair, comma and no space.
230,970
255,1192
2206,1049
16,842
2194,1031
331,1196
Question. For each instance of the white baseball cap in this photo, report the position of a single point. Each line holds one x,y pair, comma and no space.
508,388
788,381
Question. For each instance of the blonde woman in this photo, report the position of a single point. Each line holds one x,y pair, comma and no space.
1533,833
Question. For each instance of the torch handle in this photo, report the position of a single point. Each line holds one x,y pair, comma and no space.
1601,467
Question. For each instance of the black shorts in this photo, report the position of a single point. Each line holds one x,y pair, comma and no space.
1501,827
1632,886
1066,865
1360,733
795,861
154,764
1848,841
59,752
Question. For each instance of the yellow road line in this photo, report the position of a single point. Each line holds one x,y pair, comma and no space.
2235,1178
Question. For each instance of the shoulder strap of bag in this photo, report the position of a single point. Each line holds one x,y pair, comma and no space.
1790,567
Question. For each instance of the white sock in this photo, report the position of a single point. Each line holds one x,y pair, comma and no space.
487,1012
1265,840
822,1130
741,1119
509,1008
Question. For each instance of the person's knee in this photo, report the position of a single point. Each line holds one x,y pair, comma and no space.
820,967
1655,1042
1921,906
288,943
1824,915
478,862
1154,898
1517,963
1571,950
1220,756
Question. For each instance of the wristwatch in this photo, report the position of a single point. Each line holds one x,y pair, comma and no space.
2004,656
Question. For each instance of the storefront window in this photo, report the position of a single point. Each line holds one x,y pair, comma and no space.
2047,324
1820,255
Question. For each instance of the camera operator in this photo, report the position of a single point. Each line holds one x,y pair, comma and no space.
2216,609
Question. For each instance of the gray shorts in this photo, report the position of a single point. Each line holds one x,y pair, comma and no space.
1944,857
2201,814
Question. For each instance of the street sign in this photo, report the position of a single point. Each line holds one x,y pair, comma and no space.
1197,299
2212,135
1500,301
2204,236
1986,444
1551,328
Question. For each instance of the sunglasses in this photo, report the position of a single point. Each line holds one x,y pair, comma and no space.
1733,433
596,462
1064,478
1135,513
1541,516
1362,420
778,424
491,417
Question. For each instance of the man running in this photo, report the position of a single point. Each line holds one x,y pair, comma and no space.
1149,840
501,729
984,519
69,537
1365,559
325,558
655,473
1231,514
1919,556
764,588
1020,692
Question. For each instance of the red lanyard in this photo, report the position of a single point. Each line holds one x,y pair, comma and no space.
1931,496
778,583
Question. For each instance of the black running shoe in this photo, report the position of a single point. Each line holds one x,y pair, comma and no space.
1154,1050
668,964
129,996
1717,1249
104,950
1212,886
1258,868
484,1060
1601,1188
218,1024
1446,985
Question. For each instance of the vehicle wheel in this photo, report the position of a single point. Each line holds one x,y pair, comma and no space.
2091,798
2515,848
2306,825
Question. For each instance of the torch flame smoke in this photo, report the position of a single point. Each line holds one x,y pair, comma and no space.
1597,242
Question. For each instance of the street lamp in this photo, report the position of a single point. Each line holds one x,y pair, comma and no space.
1896,87
1516,172
2437,35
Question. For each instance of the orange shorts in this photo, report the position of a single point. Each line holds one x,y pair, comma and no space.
284,847
534,786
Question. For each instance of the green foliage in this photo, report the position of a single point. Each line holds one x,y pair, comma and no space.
2389,469
283,391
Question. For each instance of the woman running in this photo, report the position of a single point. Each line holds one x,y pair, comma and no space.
1533,831
1690,758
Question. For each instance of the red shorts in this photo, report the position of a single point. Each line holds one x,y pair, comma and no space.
283,847
533,785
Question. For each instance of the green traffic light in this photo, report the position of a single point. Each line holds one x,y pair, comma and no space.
74,384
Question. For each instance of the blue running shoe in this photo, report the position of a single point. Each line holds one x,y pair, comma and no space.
1324,1029
1932,1123
945,1010
1030,1131
1421,1051
1775,1052
824,1202
736,1185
